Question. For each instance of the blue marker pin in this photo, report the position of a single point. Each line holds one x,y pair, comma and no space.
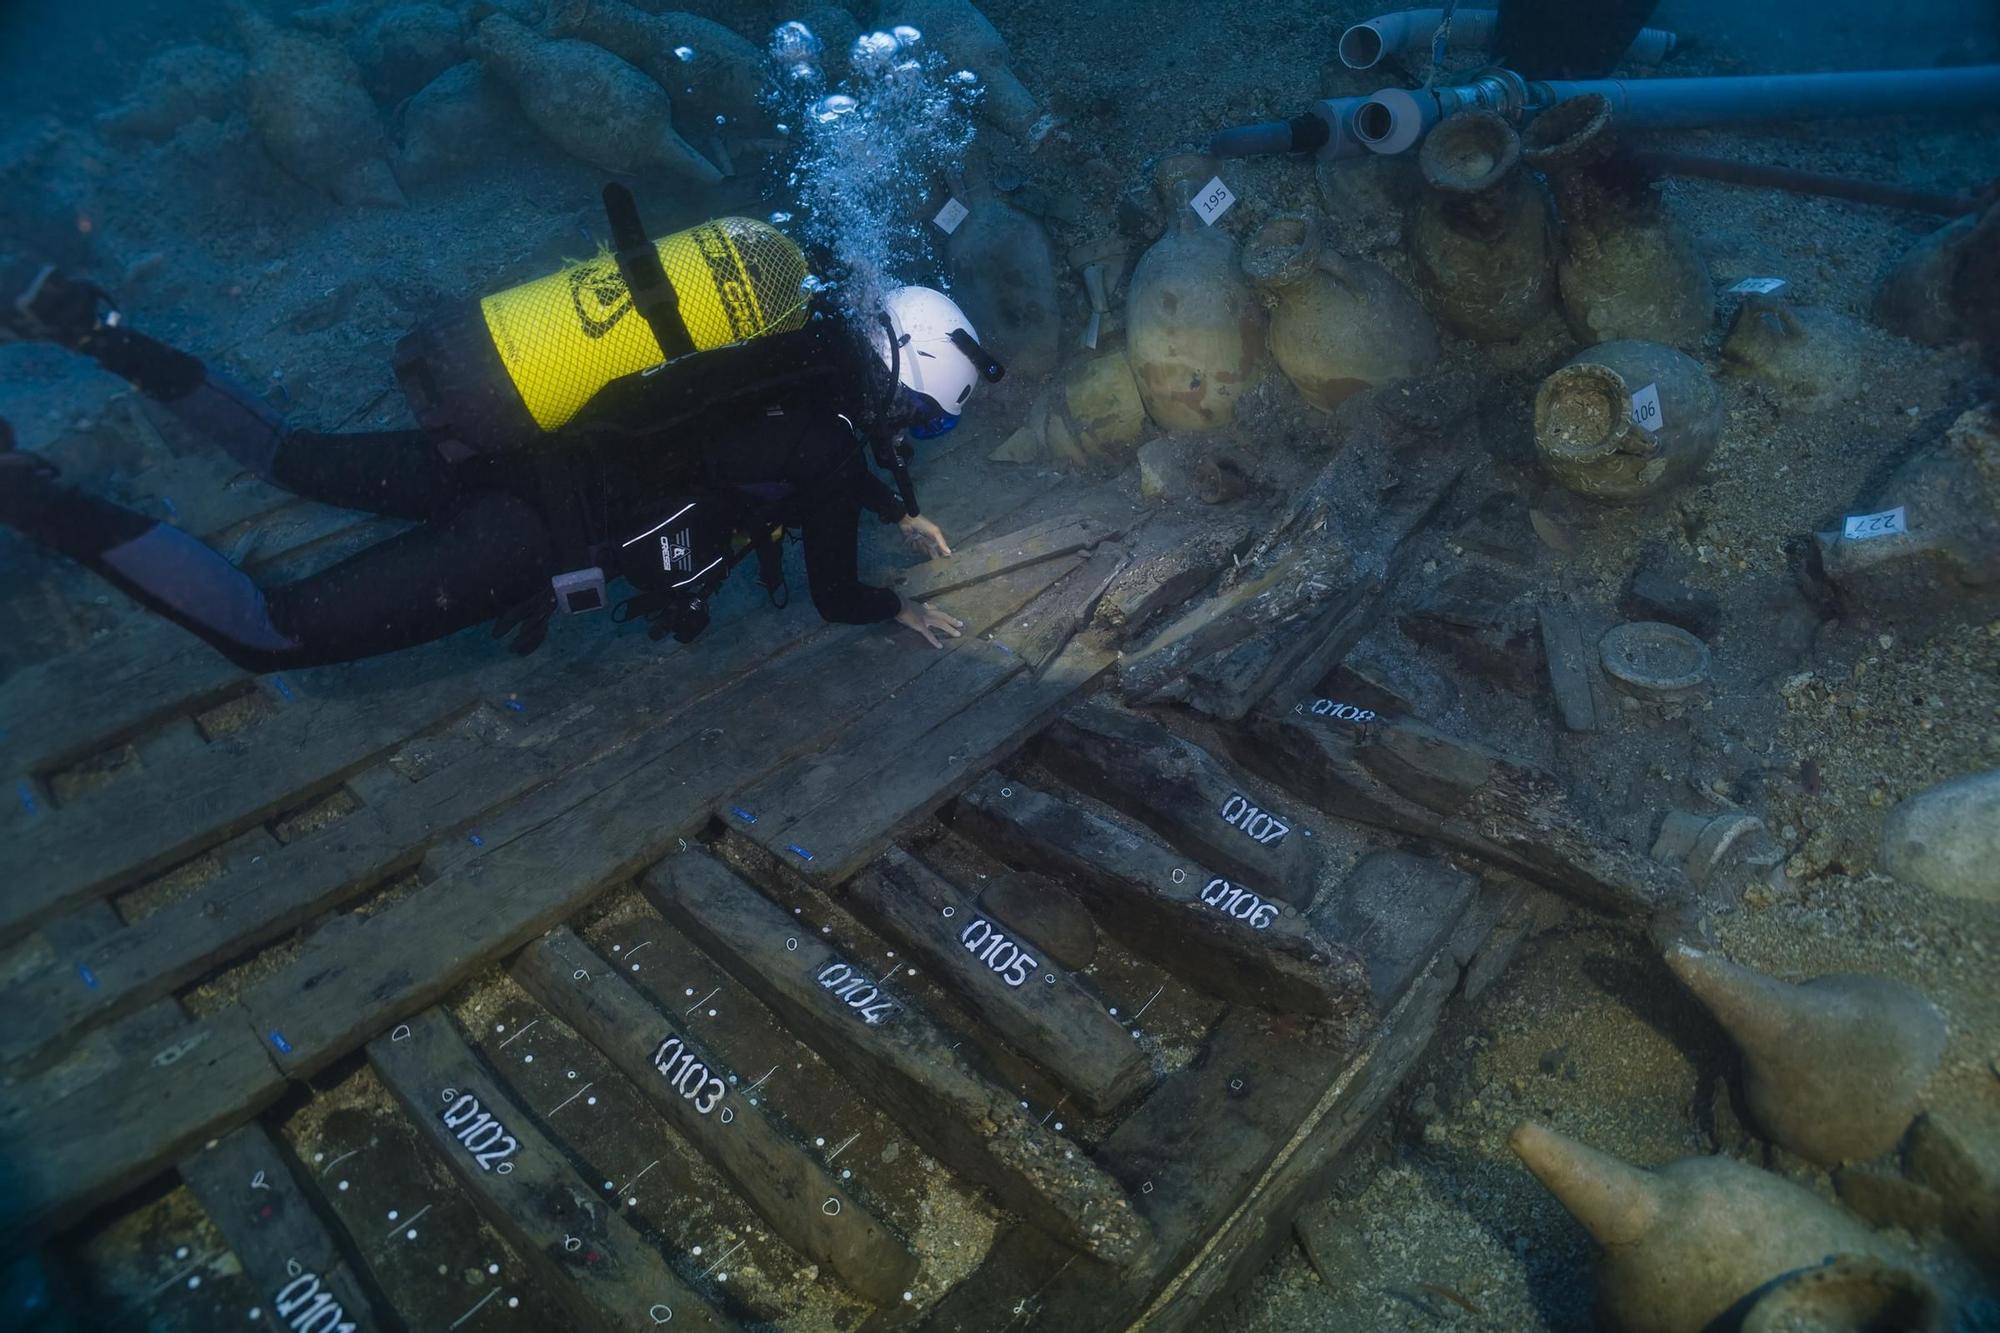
794,847
89,977
517,706
278,683
27,794
742,814
278,1040
173,510
476,840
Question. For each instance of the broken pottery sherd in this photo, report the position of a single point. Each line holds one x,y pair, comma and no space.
1919,298
1338,325
309,109
1686,1241
1651,660
1947,839
1806,357
1480,241
1625,421
1849,1293
588,102
1832,1067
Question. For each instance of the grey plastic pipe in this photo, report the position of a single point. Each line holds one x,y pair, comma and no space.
1394,119
1409,31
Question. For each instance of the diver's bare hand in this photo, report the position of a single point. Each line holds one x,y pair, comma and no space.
924,535
927,620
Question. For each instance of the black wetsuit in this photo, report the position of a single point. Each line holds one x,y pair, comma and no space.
494,528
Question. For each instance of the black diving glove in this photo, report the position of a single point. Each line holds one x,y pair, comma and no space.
531,617
666,613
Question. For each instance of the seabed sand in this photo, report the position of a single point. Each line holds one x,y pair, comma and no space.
1438,1224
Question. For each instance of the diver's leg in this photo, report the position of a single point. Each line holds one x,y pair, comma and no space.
490,553
399,473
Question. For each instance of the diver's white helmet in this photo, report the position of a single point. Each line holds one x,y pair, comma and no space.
936,352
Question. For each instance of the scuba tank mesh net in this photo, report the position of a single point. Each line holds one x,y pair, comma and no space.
563,337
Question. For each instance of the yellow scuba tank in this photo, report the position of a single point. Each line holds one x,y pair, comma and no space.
500,372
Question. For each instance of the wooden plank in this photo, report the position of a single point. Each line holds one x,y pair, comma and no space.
1186,795
291,884
1402,775
1166,907
599,1268
900,1058
803,1202
1571,665
601,823
1047,540
109,1136
1007,979
251,1189
332,721
1045,628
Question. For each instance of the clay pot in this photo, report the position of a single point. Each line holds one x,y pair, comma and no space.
1195,330
308,106
1338,325
1832,1068
1919,298
1480,240
1848,1294
1586,434
1625,266
1093,416
1806,357
1685,1242
1003,274
969,40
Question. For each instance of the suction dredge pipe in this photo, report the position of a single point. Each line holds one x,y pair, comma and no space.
1408,31
1393,120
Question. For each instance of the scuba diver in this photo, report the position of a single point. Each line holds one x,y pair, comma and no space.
610,420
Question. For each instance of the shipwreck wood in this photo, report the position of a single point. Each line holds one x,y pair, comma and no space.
111,1135
1049,539
604,1272
1184,794
1215,935
1006,978
802,1201
250,1189
1037,636
1571,665
1404,776
900,1058
1396,910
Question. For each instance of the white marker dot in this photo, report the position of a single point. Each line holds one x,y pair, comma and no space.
571,1074
908,1296
317,1157
826,930
617,948
194,1282
753,1101
711,1013
688,991
635,967
513,1302
442,1270
817,1143
527,1059
255,1314
411,1234
494,1269
722,1277
846,1175
608,1187
1114,1013
1058,1124
343,1187
892,953
499,1027
697,1251
590,1101
631,1203
181,1253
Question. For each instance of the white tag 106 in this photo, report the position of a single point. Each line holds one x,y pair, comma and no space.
1755,286
1860,527
1646,408
1213,201
950,216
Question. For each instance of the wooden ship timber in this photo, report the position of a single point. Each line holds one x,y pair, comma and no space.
798,978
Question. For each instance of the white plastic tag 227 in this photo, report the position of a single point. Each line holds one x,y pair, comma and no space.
950,216
1646,408
1213,201
1860,527
1755,286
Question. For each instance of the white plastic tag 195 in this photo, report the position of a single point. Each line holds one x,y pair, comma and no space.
1213,201
1860,527
950,216
1646,408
